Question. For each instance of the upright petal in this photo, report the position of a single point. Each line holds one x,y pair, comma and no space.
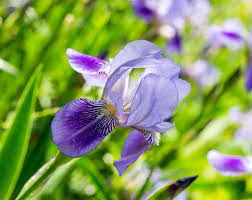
134,146
135,50
80,126
94,70
229,165
155,100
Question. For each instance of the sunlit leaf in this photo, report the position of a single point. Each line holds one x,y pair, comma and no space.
15,143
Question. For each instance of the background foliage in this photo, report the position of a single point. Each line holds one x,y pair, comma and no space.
38,33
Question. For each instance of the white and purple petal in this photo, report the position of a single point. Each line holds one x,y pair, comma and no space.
134,146
94,70
230,165
80,126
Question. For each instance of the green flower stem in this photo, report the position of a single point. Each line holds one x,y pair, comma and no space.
40,176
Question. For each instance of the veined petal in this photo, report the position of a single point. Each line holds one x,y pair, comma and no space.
155,100
80,126
134,146
94,70
229,165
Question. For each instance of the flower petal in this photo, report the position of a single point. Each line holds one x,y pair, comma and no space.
155,100
134,146
134,50
183,87
248,78
161,127
174,45
80,126
142,10
93,69
229,165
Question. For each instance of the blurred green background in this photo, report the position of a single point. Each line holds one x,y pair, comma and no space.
38,33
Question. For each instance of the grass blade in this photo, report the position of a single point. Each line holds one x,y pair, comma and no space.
14,146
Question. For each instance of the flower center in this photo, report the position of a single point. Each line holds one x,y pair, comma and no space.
109,110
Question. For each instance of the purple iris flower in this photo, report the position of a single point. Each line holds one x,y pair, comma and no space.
248,77
230,34
199,11
230,165
174,45
204,73
172,12
81,125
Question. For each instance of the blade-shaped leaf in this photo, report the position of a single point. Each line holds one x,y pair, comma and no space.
15,143
171,190
55,180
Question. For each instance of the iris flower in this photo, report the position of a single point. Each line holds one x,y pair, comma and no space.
248,77
204,73
81,125
230,165
230,34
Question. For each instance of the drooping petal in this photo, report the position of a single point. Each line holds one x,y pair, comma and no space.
80,126
134,146
142,10
94,70
174,45
155,100
248,78
229,165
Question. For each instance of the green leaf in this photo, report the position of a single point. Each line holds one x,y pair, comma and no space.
55,180
15,143
40,176
171,190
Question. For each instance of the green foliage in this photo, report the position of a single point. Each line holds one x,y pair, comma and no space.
39,34
15,142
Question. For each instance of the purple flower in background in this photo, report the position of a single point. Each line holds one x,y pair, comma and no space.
230,165
204,73
230,34
80,126
244,133
172,12
199,11
248,76
174,45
